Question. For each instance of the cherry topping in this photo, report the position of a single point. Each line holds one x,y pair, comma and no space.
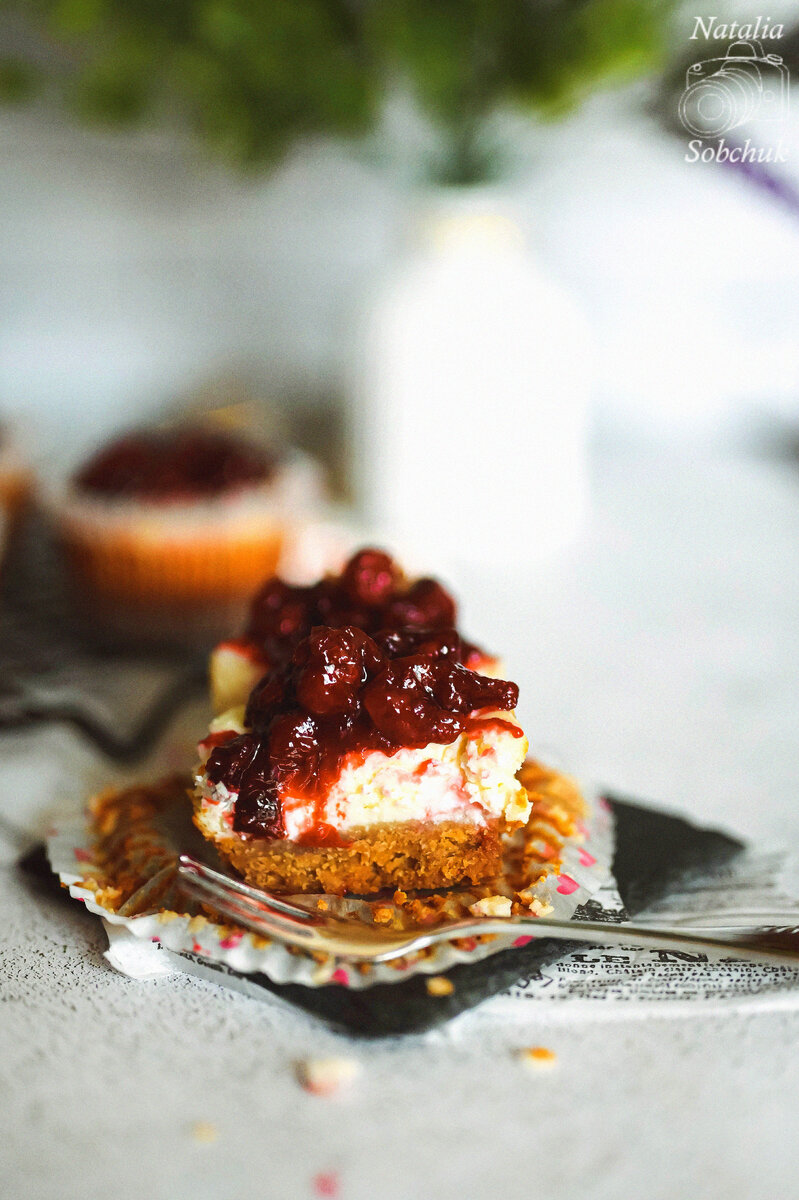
341,692
331,667
443,643
294,746
370,577
280,610
243,766
426,604
371,593
404,707
182,464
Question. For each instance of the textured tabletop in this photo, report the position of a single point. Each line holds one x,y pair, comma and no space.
662,659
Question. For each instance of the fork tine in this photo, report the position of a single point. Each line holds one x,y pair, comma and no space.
245,908
231,910
189,867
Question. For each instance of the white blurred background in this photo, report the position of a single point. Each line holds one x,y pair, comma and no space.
134,270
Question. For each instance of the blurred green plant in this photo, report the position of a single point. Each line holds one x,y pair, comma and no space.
254,77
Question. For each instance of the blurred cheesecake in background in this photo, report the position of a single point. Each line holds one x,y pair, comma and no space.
168,532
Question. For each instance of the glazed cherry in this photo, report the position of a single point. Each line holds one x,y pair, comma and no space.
437,643
426,604
455,686
258,810
279,611
244,766
370,578
267,698
403,706
331,666
228,763
294,745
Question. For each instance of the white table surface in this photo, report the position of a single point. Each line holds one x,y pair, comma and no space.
663,659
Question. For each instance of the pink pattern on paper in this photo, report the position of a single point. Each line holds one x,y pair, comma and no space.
582,829
567,885
83,855
340,976
586,859
524,940
326,1183
231,941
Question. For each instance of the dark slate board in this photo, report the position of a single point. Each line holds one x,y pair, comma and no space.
655,853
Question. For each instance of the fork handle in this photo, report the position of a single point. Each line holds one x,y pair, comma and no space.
648,936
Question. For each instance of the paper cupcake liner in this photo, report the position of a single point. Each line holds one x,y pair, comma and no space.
583,867
145,568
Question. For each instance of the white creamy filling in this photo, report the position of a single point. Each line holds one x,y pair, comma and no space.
473,779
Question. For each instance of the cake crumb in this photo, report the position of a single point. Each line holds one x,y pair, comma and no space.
382,914
491,906
326,1076
439,985
204,1132
539,908
538,1058
326,1183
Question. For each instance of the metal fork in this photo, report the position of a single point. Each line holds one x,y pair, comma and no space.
283,921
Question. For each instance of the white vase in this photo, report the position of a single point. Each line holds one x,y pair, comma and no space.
473,387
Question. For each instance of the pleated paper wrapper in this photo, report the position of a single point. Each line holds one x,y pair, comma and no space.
573,880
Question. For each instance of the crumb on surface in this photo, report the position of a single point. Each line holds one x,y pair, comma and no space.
439,985
204,1132
326,1076
326,1183
491,906
538,1058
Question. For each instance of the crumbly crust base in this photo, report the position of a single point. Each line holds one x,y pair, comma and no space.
407,855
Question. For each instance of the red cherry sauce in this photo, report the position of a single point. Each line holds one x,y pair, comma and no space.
187,464
343,692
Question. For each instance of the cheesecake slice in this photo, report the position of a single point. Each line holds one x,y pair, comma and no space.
364,763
